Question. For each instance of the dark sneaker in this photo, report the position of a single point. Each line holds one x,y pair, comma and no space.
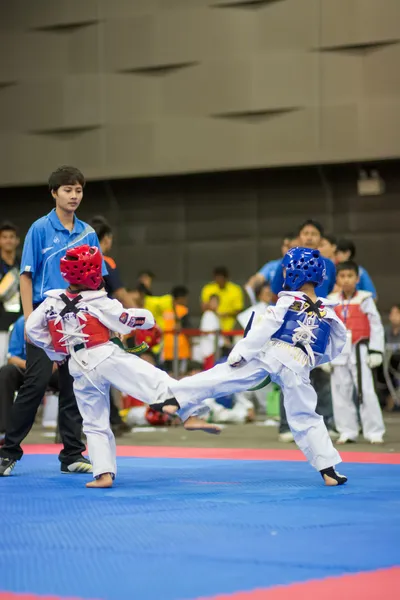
82,465
6,466
332,477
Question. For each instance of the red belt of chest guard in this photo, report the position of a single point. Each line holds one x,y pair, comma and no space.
96,333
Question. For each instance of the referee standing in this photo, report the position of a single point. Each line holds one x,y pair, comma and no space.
45,243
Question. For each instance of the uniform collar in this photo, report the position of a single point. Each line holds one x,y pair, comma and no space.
56,223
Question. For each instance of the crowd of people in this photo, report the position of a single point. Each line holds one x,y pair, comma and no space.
345,388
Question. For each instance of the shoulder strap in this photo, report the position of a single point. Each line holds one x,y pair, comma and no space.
70,305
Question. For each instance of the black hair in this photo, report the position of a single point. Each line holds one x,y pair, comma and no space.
347,265
312,223
146,272
259,288
214,296
179,291
289,236
65,176
222,271
346,245
8,226
101,227
330,238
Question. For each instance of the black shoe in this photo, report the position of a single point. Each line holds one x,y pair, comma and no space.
82,465
332,476
6,466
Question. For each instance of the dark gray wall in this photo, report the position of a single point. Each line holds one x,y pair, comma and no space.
182,227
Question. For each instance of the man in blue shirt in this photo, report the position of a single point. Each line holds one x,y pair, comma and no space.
46,242
346,250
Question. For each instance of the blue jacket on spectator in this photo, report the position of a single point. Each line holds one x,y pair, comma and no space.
17,344
269,269
365,282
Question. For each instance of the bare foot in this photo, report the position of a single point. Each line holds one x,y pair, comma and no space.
330,481
170,409
103,481
197,424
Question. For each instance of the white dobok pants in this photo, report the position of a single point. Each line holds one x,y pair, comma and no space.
300,400
130,375
344,381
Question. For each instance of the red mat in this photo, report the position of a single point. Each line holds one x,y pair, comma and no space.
384,458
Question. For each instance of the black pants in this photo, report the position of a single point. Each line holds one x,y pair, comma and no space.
321,382
11,379
23,412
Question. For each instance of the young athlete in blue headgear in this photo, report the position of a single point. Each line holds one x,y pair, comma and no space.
299,333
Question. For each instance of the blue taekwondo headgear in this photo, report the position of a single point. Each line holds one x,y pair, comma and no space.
303,265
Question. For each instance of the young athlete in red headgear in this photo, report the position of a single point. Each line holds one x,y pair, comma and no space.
78,323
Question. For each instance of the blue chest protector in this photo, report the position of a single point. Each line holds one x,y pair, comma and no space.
304,327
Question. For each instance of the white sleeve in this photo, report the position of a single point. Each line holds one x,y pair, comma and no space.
377,333
263,330
336,343
38,332
117,318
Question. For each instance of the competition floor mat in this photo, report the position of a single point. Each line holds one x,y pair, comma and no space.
189,524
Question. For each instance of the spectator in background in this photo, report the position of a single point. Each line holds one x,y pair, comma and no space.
113,282
328,246
230,297
10,302
264,298
310,236
145,282
392,339
175,317
346,250
267,273
209,343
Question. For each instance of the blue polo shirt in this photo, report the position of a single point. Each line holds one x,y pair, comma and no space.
365,282
269,269
322,290
46,242
17,344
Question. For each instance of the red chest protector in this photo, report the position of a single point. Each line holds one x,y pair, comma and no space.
355,320
95,333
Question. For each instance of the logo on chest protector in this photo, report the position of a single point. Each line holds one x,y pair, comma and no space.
299,306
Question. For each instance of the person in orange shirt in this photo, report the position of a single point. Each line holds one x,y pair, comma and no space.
176,318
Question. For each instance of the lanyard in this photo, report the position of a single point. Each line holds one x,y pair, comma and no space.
345,307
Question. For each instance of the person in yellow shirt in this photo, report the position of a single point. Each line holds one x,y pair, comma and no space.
230,297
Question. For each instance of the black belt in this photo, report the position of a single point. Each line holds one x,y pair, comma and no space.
78,347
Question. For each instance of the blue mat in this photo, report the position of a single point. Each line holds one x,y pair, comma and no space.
174,529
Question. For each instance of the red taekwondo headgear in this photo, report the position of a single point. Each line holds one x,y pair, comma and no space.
82,266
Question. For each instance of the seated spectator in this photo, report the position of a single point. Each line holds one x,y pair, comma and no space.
392,359
230,297
267,273
346,250
12,374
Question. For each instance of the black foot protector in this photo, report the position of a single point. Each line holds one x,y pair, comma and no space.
332,477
